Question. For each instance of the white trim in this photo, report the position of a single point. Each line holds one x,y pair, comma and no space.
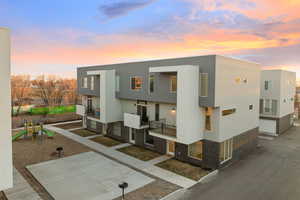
130,136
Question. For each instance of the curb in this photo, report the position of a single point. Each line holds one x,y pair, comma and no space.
209,176
172,196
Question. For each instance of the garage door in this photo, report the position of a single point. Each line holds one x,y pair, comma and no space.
267,126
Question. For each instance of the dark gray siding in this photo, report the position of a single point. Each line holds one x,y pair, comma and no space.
162,84
88,91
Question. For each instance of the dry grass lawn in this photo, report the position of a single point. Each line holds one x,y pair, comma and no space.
70,125
106,141
184,169
83,132
139,153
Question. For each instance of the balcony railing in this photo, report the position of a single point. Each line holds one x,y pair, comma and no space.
162,128
135,121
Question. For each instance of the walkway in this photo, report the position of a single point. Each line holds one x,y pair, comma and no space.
147,167
21,190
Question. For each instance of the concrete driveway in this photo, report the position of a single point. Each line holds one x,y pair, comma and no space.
272,172
87,176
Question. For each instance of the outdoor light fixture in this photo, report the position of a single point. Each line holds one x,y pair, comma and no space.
173,110
123,186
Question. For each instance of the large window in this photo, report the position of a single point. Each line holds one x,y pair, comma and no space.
136,83
93,125
226,150
84,82
117,129
208,114
92,83
148,138
268,106
151,83
173,83
117,83
267,85
203,84
196,150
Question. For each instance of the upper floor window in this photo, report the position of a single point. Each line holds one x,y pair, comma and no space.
173,83
151,83
267,85
203,84
92,82
117,83
136,83
84,82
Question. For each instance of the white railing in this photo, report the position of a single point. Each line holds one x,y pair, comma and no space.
80,110
132,120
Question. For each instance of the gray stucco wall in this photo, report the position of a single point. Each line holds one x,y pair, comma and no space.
162,83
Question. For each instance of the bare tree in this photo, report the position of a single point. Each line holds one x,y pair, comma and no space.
50,89
20,91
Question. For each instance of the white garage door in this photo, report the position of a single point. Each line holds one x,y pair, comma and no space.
267,126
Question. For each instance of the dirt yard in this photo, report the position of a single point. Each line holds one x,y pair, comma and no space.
70,125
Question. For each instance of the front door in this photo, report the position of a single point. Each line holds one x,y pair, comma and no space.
132,135
142,111
170,148
89,105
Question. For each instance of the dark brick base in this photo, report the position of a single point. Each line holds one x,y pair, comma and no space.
98,125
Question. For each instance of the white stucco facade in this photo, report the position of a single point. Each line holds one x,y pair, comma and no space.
6,180
282,88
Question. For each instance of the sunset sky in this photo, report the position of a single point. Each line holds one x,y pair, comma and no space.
57,36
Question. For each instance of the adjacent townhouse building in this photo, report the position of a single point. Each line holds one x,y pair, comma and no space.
5,117
202,110
277,101
297,103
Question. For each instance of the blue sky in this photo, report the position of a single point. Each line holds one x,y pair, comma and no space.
57,36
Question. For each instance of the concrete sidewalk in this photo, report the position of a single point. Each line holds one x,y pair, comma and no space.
147,167
21,189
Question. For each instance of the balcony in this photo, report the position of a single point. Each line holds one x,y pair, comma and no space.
94,113
135,121
162,128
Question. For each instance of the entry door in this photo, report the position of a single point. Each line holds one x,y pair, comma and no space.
131,135
89,105
170,148
142,111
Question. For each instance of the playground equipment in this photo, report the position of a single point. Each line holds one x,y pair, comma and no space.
33,130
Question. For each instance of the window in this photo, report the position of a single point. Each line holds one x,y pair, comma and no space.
117,83
93,125
84,82
92,83
196,150
228,112
226,150
208,114
148,138
204,84
136,83
117,130
151,83
173,83
250,107
274,107
261,106
267,85
267,108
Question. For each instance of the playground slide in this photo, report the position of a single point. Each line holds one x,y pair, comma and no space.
19,134
48,133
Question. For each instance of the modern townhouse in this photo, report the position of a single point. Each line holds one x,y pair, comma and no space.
297,103
5,117
203,110
277,101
